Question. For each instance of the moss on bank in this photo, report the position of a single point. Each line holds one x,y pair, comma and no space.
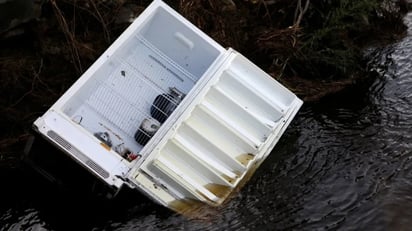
314,47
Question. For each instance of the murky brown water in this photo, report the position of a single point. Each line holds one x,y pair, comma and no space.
344,163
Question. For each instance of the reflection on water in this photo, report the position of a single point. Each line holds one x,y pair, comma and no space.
344,163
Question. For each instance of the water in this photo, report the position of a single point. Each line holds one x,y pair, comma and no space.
345,163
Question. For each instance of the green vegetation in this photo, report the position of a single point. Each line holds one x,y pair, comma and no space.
335,33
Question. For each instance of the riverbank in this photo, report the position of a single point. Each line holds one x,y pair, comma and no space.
312,53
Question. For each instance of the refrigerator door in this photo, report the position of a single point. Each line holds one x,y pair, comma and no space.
221,136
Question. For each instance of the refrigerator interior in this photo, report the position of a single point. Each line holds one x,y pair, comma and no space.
135,89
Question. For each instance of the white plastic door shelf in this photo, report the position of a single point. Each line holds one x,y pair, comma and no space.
225,133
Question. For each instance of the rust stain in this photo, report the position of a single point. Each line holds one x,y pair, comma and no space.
221,191
188,207
244,159
228,179
199,210
105,146
194,209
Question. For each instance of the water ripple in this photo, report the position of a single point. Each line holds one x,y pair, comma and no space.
28,220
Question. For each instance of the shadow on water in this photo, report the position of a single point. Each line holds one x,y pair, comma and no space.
29,202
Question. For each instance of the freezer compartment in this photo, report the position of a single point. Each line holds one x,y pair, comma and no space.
136,86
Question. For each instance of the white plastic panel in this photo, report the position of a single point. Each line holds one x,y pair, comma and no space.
234,86
181,42
265,87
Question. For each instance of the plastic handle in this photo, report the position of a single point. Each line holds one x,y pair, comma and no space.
184,40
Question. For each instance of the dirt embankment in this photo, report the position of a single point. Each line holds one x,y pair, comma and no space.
58,40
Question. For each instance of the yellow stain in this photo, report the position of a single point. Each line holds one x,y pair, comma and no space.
107,147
